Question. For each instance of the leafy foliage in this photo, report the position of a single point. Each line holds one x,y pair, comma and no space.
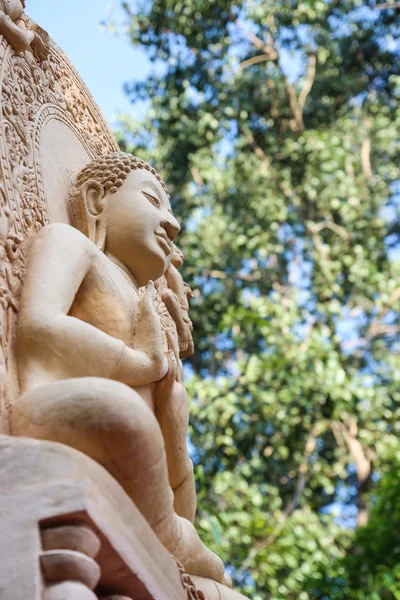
276,125
373,566
370,570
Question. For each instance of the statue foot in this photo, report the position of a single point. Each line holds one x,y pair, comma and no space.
196,558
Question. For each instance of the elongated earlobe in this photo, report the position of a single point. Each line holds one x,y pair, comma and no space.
93,197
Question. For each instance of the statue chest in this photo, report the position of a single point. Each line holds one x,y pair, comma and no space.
107,301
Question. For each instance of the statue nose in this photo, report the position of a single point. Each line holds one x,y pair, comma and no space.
172,227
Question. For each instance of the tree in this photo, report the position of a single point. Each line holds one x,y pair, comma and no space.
370,571
276,124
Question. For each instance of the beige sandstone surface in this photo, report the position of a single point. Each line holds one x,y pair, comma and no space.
97,490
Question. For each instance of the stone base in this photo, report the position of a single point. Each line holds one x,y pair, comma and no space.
69,531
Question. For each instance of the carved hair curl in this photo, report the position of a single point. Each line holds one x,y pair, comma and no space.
110,171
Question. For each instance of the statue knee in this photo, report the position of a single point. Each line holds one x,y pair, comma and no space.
122,420
89,414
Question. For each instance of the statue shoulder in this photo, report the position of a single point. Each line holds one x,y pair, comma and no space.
62,243
61,234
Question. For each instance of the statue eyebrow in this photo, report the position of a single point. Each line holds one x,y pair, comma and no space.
155,189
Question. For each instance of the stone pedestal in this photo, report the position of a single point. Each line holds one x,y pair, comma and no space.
70,532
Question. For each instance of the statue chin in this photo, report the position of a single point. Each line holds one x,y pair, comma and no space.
149,262
151,268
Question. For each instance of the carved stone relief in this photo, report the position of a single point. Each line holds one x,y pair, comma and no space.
99,347
36,91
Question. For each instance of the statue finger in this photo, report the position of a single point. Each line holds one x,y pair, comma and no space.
146,306
172,365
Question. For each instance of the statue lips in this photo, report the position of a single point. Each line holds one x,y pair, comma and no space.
164,241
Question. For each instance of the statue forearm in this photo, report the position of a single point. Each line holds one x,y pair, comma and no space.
69,347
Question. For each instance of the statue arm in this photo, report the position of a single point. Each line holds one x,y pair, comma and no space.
51,341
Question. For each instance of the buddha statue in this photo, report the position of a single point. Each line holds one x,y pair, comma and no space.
99,370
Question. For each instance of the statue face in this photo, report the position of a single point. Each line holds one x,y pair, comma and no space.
141,226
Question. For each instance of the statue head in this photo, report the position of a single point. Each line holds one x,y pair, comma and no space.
177,257
122,205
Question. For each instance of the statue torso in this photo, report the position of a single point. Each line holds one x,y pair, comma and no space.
107,299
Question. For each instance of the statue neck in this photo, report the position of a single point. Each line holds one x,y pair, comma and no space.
124,269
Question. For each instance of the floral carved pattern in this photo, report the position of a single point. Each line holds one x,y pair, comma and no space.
32,91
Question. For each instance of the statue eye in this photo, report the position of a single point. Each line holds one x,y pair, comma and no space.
155,201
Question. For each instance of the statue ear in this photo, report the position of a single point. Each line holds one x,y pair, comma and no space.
93,196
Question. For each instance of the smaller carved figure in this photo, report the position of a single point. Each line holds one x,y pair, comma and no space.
13,26
176,298
171,401
8,252
9,241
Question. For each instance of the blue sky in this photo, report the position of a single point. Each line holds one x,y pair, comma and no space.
103,60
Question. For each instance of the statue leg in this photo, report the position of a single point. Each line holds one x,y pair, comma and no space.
112,424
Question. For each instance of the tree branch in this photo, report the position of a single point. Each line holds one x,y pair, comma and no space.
298,124
255,40
274,98
309,81
365,153
222,275
254,60
271,51
258,151
376,327
266,163
386,5
317,227
197,178
362,460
